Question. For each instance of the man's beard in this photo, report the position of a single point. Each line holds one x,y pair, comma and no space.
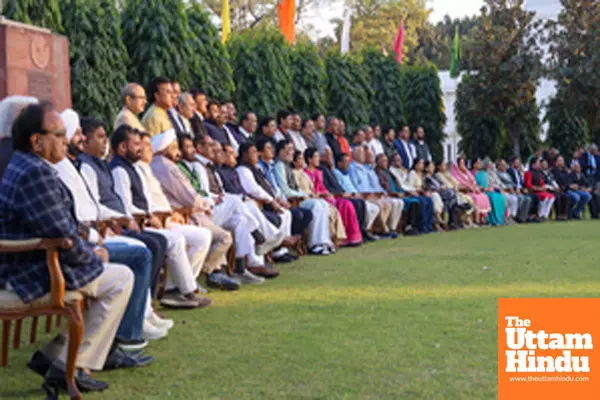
132,157
73,149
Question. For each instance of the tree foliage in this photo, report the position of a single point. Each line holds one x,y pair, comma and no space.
348,89
159,41
506,57
376,22
575,60
423,105
566,131
44,13
97,56
262,71
308,79
386,84
214,75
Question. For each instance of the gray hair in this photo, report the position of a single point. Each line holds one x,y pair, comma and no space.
329,121
10,108
183,96
128,91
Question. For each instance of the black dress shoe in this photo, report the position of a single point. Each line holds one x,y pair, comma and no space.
55,378
39,363
286,258
122,359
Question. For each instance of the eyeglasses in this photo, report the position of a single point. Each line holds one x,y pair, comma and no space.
62,132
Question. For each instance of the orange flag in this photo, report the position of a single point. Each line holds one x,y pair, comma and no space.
287,15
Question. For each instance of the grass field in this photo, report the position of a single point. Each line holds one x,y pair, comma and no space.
413,318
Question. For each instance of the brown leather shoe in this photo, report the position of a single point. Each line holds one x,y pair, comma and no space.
264,271
290,241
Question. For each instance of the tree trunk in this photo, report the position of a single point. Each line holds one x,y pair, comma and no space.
515,136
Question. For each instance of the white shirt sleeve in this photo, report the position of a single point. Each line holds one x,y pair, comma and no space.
251,186
91,179
93,236
123,189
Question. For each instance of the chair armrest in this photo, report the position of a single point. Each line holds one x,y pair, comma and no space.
162,216
186,212
52,247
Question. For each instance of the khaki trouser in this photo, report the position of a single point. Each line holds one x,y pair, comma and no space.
381,223
107,297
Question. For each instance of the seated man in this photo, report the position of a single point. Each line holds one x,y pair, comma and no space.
366,213
34,204
579,183
181,194
135,327
578,198
232,185
360,178
319,235
127,148
412,205
397,203
10,107
254,234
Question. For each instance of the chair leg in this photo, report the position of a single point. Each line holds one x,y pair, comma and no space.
48,323
75,318
58,321
17,334
5,336
33,330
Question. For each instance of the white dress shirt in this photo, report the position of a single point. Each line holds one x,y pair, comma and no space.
376,146
152,190
250,185
123,189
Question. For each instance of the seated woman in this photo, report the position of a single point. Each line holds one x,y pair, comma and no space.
344,206
496,216
416,178
469,186
466,206
448,195
535,182
336,226
511,199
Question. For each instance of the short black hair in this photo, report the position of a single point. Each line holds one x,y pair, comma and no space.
316,116
386,128
309,153
29,122
356,132
246,116
282,114
264,122
197,92
199,140
213,102
156,82
304,122
340,157
90,124
415,162
281,145
379,157
297,154
182,138
244,149
120,135
262,143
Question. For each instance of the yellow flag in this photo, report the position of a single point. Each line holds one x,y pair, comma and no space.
226,23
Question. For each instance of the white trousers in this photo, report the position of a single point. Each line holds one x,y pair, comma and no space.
371,214
546,207
273,236
107,296
198,242
396,213
512,203
318,230
230,215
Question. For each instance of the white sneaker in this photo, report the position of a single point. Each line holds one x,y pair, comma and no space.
248,278
159,322
152,332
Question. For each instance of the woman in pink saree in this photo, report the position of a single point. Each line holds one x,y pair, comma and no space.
344,206
468,185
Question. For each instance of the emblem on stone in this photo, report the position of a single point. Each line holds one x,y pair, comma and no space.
40,51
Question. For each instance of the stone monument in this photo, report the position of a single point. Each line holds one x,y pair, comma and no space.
34,62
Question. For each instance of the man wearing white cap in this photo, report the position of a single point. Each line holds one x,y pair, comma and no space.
180,194
128,251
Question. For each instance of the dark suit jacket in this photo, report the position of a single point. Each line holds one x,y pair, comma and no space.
198,127
239,138
6,151
217,133
334,144
586,166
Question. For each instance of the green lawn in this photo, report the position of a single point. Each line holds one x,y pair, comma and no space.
413,318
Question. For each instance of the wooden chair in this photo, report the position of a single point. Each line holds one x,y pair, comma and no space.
57,302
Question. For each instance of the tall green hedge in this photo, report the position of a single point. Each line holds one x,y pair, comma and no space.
308,79
349,91
97,56
387,86
423,105
44,13
262,72
159,41
214,74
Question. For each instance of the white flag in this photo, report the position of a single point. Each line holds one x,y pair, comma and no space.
346,32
